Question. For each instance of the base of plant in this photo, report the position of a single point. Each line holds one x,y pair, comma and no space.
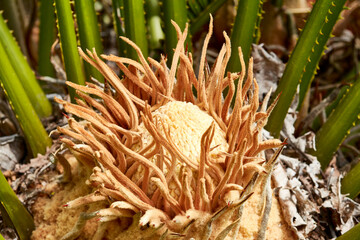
54,221
161,162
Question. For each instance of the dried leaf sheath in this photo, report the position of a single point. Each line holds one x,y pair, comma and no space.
162,151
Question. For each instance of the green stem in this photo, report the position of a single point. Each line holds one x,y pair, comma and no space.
135,27
317,123
304,59
243,31
89,33
352,234
194,6
24,72
337,126
243,34
34,132
46,38
118,15
154,24
71,58
351,182
16,23
332,15
204,3
176,11
12,210
204,16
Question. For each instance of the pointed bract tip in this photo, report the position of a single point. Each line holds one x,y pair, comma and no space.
67,116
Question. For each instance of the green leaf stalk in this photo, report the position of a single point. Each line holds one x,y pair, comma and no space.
23,71
198,20
304,59
243,32
134,15
89,33
352,234
34,132
14,212
68,43
156,34
351,182
46,38
118,16
176,11
338,125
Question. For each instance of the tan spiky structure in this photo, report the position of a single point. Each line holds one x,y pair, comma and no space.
164,162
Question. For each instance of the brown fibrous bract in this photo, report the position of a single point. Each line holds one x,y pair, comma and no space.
156,183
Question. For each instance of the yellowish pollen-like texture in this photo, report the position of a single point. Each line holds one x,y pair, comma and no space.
52,220
277,228
187,123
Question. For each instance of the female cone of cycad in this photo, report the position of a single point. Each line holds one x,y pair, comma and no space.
151,160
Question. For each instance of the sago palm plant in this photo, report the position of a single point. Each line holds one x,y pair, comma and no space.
166,151
172,163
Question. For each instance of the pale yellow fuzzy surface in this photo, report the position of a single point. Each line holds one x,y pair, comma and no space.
277,228
187,123
52,220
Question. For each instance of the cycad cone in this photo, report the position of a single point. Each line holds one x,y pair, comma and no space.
156,162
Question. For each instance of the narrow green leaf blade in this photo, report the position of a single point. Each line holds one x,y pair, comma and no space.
68,43
118,15
332,16
304,59
46,38
34,132
194,6
15,22
204,16
23,71
352,234
243,32
351,182
135,27
14,211
176,11
338,125
156,34
89,33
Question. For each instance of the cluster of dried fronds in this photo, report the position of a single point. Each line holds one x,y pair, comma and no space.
206,187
